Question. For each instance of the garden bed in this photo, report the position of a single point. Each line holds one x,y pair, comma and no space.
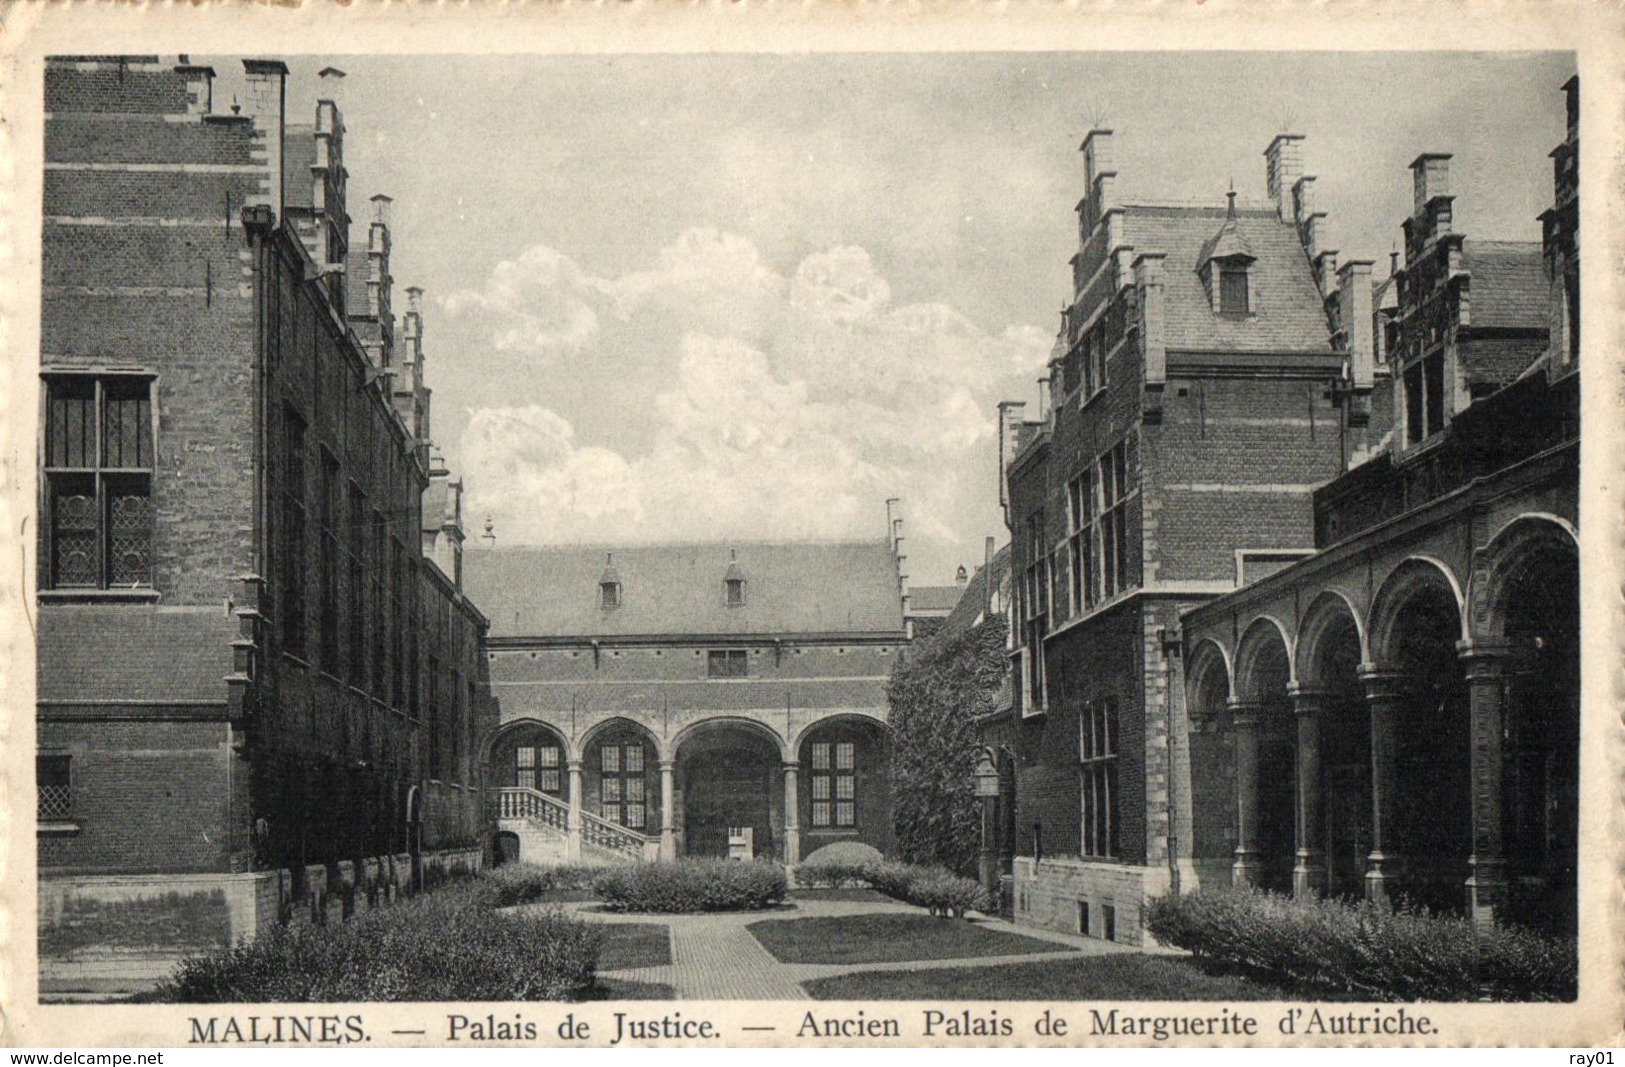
1371,951
691,886
888,938
628,945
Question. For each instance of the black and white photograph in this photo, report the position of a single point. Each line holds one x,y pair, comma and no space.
877,533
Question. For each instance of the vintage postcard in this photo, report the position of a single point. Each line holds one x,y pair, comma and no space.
811,525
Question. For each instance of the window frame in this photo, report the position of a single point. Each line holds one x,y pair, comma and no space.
1423,382
66,811
727,656
1098,797
733,592
625,777
106,480
827,776
609,595
1234,275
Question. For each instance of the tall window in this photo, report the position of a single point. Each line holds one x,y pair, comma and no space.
291,591
620,784
609,594
435,751
1080,544
1035,612
834,784
1112,486
53,775
727,663
1233,290
1424,398
327,515
735,588
379,546
356,604
98,476
397,623
1097,754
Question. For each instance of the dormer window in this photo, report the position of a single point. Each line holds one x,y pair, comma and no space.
733,582
609,585
1233,289
1226,265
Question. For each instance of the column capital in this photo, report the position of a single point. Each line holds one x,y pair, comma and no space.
791,765
1379,682
1483,658
668,764
1246,712
574,765
1306,699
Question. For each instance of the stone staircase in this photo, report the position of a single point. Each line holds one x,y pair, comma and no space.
541,823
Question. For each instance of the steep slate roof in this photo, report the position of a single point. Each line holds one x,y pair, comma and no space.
116,653
970,605
1287,311
677,589
1509,288
933,597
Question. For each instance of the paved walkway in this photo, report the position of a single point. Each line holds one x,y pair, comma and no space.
714,957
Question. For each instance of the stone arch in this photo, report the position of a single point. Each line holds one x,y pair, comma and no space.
715,722
1208,669
1414,576
1528,607
1322,626
512,726
623,722
802,734
1514,547
1208,695
728,775
1261,642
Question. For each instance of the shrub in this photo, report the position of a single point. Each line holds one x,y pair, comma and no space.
1368,950
443,945
691,886
935,696
946,894
831,876
525,883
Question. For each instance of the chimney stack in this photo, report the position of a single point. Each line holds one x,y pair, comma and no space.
1284,160
266,106
1430,176
1100,177
199,87
1354,318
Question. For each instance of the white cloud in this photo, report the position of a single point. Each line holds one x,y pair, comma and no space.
766,408
535,304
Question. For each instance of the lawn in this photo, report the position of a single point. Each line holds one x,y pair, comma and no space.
1120,976
888,938
860,896
635,945
616,989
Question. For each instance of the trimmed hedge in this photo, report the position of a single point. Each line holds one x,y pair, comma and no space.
1368,950
443,945
526,883
691,886
934,888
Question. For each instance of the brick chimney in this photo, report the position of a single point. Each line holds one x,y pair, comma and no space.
265,104
1356,335
1012,414
378,244
1148,280
1284,166
199,87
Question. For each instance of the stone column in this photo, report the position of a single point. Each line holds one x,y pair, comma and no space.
1309,865
1486,681
1246,868
792,815
668,812
572,847
1383,698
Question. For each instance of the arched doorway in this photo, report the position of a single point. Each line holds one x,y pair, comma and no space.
1263,672
620,780
531,755
1534,603
1329,663
1213,765
730,779
1416,631
845,789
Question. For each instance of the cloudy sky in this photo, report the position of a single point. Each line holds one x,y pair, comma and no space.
747,297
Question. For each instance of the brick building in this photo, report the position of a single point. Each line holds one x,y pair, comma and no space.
254,678
1202,387
1398,714
692,700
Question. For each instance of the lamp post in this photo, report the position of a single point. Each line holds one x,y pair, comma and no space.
986,773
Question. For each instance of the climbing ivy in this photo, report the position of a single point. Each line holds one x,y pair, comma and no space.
936,694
